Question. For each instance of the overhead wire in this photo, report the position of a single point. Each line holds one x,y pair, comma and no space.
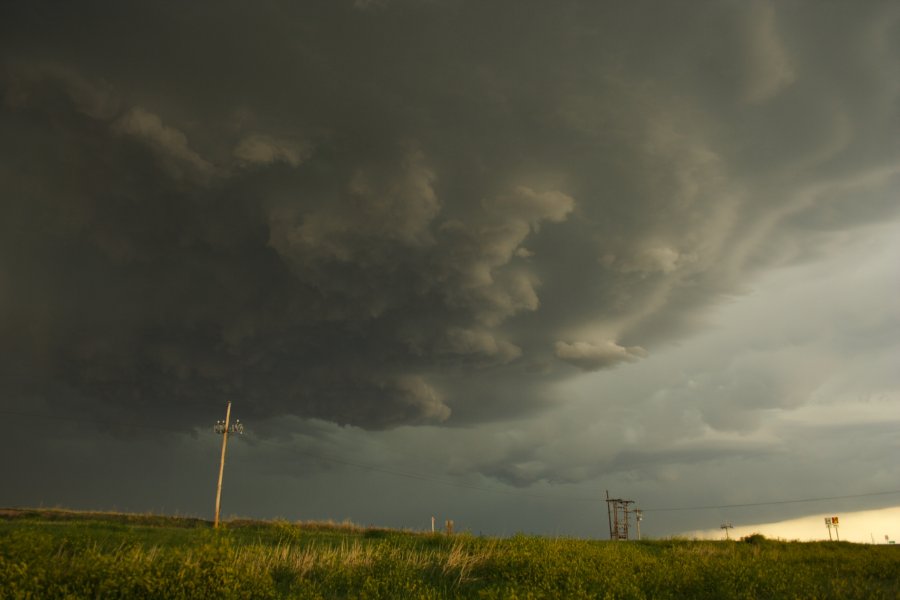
318,455
772,502
76,419
433,479
459,484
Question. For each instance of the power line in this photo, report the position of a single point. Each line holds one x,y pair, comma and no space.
318,455
432,479
94,421
772,502
458,484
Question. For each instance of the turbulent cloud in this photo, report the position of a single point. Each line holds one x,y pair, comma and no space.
769,68
263,150
592,357
170,144
645,247
533,207
655,259
478,343
25,80
291,211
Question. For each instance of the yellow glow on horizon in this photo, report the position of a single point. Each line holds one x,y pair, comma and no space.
861,527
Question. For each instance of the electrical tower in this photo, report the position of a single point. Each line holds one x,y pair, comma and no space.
224,427
726,526
618,513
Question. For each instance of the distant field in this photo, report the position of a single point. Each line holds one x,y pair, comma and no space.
57,554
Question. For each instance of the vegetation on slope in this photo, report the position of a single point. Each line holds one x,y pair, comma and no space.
52,554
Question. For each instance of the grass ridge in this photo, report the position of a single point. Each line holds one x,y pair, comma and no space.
55,553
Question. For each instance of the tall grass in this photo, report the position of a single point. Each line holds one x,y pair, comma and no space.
109,557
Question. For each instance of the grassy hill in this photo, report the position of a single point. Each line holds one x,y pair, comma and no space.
59,554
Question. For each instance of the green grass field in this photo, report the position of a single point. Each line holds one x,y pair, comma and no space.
57,554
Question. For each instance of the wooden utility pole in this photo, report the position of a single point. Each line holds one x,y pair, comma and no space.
726,526
224,427
222,463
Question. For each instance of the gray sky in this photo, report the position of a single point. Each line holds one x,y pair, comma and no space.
477,260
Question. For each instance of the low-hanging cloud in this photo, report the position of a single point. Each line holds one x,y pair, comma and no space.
593,357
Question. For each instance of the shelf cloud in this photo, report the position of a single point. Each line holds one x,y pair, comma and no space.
389,215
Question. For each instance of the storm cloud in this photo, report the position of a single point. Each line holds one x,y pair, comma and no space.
419,213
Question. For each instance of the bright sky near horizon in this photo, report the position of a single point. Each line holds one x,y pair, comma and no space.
865,527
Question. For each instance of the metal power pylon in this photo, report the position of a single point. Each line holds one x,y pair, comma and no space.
618,513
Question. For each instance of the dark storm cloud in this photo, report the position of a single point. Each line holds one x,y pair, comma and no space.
384,213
